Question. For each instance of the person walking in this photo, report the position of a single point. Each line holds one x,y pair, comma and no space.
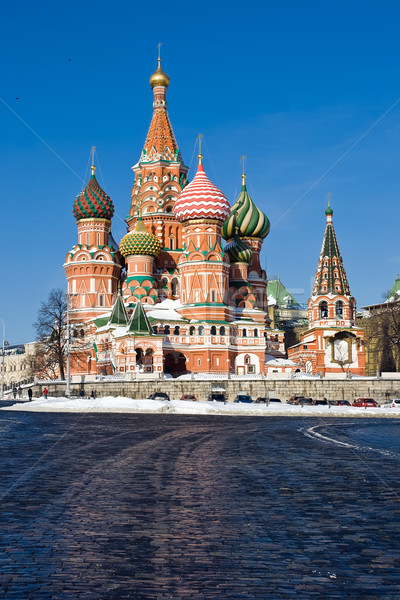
93,395
30,394
14,392
45,392
20,392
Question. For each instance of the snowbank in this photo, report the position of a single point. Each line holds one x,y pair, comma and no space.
128,405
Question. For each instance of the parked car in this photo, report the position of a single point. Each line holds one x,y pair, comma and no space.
365,402
302,401
395,403
323,402
339,403
158,396
189,397
294,399
242,397
264,400
216,397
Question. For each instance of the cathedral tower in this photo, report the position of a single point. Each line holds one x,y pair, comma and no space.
160,175
203,266
93,265
333,343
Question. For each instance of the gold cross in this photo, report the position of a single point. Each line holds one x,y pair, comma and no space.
328,197
159,51
243,158
92,151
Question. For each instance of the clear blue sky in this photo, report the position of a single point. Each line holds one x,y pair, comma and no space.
292,85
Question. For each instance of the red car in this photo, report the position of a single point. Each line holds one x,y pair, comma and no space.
365,402
189,397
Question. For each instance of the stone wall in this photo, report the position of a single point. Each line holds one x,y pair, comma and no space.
348,389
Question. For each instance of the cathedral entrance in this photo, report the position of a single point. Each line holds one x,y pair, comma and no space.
175,364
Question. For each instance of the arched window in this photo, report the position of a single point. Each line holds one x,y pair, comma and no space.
139,356
213,330
323,310
339,308
174,287
352,311
166,330
176,330
155,329
192,330
169,210
256,333
172,243
164,282
244,333
222,330
201,330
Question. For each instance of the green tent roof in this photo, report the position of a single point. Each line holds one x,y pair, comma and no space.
139,322
118,314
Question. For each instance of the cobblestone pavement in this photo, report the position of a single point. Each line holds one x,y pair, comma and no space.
115,506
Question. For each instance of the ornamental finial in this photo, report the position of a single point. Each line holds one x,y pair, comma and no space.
200,156
93,168
243,158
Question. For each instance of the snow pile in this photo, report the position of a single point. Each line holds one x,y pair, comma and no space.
122,404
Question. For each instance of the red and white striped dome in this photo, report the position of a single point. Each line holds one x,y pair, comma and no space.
201,199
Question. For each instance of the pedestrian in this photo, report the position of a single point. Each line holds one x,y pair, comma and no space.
14,392
93,395
81,393
45,392
30,394
19,392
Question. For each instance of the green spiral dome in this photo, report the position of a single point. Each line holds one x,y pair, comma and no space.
140,242
251,222
238,251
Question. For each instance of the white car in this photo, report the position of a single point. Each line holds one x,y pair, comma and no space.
395,403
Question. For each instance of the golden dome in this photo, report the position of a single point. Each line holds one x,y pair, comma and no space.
159,77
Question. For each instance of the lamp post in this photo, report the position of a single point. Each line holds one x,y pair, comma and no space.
68,390
2,360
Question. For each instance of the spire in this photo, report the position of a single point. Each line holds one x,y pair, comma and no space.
331,276
139,322
160,143
118,313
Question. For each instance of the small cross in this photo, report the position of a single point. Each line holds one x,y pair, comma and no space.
92,151
328,197
159,51
243,158
199,137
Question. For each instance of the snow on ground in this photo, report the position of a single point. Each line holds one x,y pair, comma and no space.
122,404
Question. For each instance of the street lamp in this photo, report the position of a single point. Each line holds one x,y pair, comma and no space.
2,360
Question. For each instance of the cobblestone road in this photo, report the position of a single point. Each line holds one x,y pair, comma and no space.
207,508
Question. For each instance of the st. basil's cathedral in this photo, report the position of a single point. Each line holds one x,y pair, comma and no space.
184,292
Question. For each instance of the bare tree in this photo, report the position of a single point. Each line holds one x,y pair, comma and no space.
50,329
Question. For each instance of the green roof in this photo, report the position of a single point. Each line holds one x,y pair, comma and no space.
394,292
279,295
139,322
118,313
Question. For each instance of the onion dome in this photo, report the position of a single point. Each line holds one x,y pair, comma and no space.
251,222
237,250
201,199
329,211
140,241
93,202
159,77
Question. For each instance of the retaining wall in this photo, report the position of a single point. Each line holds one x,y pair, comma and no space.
349,389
